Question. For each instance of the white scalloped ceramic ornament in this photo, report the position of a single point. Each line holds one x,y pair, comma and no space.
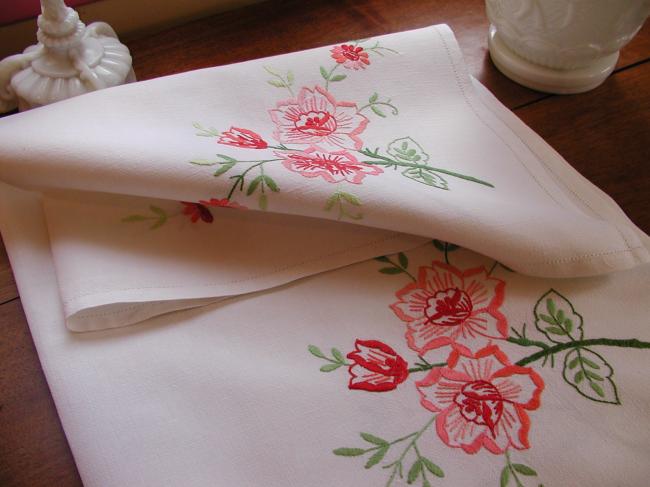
70,59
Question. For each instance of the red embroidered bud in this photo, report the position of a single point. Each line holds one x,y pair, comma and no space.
244,138
376,368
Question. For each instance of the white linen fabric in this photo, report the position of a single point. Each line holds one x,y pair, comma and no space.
456,370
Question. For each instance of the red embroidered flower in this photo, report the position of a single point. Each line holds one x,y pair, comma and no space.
449,307
244,138
197,211
223,203
351,57
331,166
376,368
315,117
481,400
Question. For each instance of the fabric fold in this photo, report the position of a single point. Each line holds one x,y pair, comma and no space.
179,191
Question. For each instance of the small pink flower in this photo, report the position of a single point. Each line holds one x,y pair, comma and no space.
481,401
447,306
315,117
333,167
244,138
223,203
351,57
197,211
376,368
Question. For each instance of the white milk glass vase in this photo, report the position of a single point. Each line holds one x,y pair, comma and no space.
561,46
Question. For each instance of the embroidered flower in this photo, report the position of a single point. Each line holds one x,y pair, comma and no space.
351,57
244,138
376,368
449,307
333,167
223,203
481,400
197,211
315,117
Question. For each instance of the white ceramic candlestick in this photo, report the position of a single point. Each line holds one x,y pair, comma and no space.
70,59
561,46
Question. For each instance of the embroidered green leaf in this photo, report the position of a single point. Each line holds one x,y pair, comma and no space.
253,185
597,386
555,330
290,77
315,351
377,457
227,158
338,356
158,211
597,389
331,201
407,150
373,98
324,73
135,218
377,111
329,367
375,440
276,83
350,198
203,162
383,258
524,469
349,452
225,167
270,182
263,202
425,176
391,270
432,467
403,260
159,223
556,318
338,77
505,477
414,471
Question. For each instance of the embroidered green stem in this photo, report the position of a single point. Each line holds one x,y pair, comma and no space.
513,472
547,350
377,49
279,147
494,266
280,81
373,106
339,200
328,75
239,178
424,365
388,162
398,268
397,465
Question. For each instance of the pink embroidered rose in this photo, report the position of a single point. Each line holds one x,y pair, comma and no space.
447,306
223,203
244,138
481,401
376,367
315,117
196,212
333,167
351,57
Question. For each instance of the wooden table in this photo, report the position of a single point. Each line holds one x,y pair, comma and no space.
604,134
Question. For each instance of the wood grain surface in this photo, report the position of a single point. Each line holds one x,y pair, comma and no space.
605,134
